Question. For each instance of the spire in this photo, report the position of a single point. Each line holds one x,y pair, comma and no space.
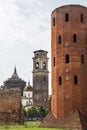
15,75
15,70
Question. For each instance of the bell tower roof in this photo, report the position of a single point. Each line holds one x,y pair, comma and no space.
40,61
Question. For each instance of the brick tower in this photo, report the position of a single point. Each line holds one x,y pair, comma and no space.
69,67
40,78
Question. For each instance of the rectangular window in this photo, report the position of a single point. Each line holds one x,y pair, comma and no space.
74,38
59,39
67,58
54,61
60,80
81,18
53,21
75,79
82,59
66,17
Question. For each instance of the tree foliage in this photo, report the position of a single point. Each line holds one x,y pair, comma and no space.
34,113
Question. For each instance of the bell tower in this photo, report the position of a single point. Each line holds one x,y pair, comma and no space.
40,78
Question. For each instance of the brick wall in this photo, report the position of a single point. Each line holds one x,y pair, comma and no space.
69,95
10,107
69,99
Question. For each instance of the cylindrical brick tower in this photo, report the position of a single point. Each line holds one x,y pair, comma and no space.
69,60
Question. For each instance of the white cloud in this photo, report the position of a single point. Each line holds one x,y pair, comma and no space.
23,29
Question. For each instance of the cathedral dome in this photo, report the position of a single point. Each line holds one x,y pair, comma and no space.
28,87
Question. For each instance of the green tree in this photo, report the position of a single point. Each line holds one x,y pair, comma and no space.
24,112
32,113
42,112
29,113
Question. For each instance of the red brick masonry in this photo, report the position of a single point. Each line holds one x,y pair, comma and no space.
76,120
69,68
10,107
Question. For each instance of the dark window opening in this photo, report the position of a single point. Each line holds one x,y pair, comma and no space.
75,79
66,17
74,38
60,80
59,39
82,59
54,61
81,18
67,58
53,21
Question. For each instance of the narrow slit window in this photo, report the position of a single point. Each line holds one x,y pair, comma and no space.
75,79
60,80
66,17
67,59
82,59
53,21
59,39
81,18
74,38
54,61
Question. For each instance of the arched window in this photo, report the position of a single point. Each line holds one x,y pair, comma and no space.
37,65
44,65
74,38
59,39
66,17
53,21
67,58
60,80
81,18
75,79
37,54
82,59
28,94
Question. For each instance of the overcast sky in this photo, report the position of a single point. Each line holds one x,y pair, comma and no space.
24,28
